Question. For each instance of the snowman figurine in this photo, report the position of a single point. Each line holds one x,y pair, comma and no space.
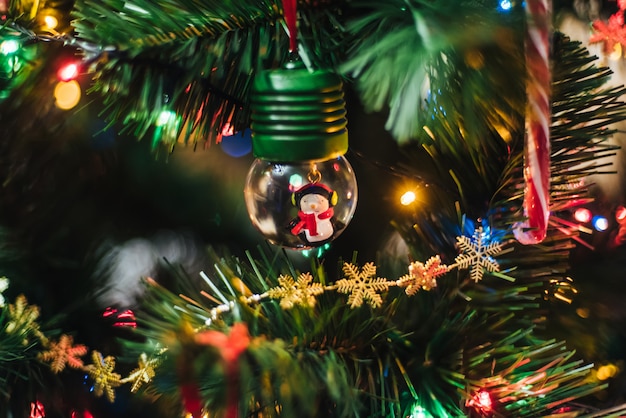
315,203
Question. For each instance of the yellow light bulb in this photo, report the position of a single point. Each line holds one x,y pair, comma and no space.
51,21
67,94
606,372
407,198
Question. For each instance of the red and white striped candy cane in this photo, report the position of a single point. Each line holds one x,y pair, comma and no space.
538,114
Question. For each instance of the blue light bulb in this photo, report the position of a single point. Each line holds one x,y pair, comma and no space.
505,5
600,223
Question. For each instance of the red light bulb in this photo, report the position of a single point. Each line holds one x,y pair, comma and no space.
620,214
484,400
481,401
583,215
68,72
227,129
37,410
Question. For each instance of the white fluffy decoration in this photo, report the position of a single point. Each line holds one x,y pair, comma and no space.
123,265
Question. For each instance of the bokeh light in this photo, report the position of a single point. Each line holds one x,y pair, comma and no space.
583,215
228,130
237,145
600,223
481,401
505,5
37,410
50,21
419,412
295,182
165,117
484,400
10,46
68,72
407,198
67,94
620,214
583,312
606,372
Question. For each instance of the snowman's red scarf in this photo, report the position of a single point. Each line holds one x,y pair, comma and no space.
308,221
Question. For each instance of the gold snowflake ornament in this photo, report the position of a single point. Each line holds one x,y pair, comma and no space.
477,254
301,292
102,373
23,320
423,276
143,374
362,285
64,353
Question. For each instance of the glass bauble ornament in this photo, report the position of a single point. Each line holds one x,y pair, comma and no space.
301,205
300,191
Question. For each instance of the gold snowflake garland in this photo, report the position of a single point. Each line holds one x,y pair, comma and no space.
62,353
301,292
103,375
142,374
23,320
423,276
477,253
362,285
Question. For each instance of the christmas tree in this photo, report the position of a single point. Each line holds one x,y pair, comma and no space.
140,279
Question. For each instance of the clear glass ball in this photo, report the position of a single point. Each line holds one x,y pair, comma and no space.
301,205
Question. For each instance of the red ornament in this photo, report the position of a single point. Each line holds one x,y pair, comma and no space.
611,33
124,319
37,410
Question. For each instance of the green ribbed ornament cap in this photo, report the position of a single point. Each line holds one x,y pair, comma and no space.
298,115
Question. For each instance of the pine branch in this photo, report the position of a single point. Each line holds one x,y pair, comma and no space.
133,26
403,61
194,58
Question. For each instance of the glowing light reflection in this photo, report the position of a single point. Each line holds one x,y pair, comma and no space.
407,198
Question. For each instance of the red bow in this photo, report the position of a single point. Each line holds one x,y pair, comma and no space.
230,348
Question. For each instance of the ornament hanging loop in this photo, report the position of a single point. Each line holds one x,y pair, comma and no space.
290,14
314,175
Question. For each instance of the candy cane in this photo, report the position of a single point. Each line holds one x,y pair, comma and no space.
538,112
